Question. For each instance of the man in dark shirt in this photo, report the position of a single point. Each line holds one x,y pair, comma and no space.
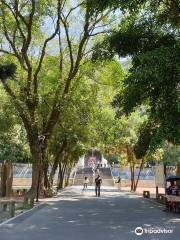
98,182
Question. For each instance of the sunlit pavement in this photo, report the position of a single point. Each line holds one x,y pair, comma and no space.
80,215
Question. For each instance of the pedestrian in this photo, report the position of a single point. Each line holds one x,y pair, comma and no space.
85,183
98,182
97,170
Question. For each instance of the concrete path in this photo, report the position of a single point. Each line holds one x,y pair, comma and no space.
75,215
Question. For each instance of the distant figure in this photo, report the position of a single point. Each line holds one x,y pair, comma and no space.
98,182
85,183
172,189
175,189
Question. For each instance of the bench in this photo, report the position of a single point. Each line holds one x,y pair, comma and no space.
146,194
173,203
9,204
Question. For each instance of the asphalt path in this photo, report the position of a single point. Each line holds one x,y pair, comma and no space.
77,215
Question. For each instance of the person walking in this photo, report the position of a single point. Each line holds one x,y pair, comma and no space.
85,183
98,182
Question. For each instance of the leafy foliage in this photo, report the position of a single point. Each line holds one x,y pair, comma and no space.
151,37
172,155
13,144
7,71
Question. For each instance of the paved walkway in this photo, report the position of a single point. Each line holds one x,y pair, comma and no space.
81,216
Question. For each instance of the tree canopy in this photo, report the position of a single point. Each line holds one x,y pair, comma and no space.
149,33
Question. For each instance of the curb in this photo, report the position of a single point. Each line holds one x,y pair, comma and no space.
161,206
28,212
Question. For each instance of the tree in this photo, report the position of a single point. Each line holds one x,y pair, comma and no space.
13,144
163,11
82,123
72,132
112,135
171,155
26,33
149,34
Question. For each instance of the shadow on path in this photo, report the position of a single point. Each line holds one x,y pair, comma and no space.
82,216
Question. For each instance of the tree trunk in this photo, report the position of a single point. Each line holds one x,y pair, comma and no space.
137,180
46,180
6,178
9,181
59,157
132,176
3,180
0,178
52,174
61,175
68,172
64,173
130,159
37,152
178,173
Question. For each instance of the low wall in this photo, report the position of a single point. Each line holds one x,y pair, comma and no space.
141,183
22,182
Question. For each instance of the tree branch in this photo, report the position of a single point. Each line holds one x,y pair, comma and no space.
12,44
6,52
74,8
60,53
29,27
44,48
21,111
58,103
102,32
69,43
80,51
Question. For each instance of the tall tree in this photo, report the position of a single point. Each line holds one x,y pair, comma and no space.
84,123
13,144
149,33
27,31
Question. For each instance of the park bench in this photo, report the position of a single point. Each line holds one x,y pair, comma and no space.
173,203
8,204
146,194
